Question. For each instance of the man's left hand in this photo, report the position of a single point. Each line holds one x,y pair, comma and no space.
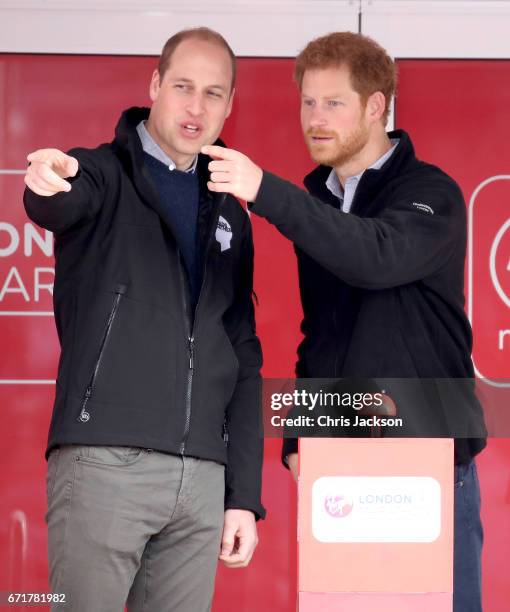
239,538
232,172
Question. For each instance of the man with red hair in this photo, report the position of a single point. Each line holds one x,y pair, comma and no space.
380,239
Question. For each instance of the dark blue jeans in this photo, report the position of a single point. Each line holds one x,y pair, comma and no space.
468,540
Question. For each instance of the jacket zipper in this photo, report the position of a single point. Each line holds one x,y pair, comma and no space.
191,327
84,416
191,365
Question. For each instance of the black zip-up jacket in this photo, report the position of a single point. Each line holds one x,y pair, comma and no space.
136,367
382,287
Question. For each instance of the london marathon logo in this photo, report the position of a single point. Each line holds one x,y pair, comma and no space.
376,509
26,290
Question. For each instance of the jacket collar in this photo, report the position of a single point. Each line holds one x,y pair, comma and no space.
372,179
129,148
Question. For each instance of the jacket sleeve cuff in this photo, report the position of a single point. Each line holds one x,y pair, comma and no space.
290,445
271,195
258,510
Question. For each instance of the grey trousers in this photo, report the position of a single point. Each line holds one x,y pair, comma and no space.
131,525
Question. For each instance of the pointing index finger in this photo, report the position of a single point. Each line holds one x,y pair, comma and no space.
217,152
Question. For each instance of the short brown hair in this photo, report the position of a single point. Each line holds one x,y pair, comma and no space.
371,68
204,34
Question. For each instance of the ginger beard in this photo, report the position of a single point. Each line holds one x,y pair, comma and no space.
340,149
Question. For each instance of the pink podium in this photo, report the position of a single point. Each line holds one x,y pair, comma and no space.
375,525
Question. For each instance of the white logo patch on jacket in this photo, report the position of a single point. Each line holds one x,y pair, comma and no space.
424,207
224,234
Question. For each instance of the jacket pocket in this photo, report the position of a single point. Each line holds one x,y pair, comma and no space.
84,416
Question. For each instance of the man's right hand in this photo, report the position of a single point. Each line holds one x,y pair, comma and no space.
292,460
47,171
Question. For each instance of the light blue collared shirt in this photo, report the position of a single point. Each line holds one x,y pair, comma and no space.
151,147
346,195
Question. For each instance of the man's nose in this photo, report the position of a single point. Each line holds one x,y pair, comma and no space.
195,104
317,118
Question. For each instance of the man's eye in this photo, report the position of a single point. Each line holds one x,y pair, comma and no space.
214,94
308,102
334,103
181,86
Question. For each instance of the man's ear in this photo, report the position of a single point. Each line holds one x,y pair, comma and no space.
376,105
154,85
230,102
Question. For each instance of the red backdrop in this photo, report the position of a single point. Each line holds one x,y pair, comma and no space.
64,101
455,112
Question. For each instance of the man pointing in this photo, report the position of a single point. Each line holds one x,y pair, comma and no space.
155,445
380,239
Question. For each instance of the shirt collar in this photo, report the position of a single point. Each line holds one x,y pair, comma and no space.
333,182
151,147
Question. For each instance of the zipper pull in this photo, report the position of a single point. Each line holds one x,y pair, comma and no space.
225,433
84,415
191,341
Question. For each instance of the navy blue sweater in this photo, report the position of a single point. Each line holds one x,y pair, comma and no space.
179,195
